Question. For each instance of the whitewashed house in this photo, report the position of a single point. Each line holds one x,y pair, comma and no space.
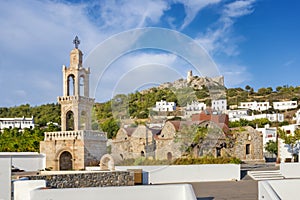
275,117
235,115
20,123
195,106
297,117
269,134
285,105
284,150
219,104
162,106
259,106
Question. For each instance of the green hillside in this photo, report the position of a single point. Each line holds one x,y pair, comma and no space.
138,105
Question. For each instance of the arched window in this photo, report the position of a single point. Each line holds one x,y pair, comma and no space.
81,86
70,121
71,85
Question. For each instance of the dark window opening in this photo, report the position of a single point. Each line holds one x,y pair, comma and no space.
247,149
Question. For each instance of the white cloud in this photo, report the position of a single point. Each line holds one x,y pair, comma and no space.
289,62
192,7
132,71
36,38
127,14
220,38
33,35
239,8
235,75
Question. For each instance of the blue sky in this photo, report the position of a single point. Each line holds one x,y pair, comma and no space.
252,42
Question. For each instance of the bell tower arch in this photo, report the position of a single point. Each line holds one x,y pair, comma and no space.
75,97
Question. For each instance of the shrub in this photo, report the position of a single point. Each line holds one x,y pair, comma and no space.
206,160
181,161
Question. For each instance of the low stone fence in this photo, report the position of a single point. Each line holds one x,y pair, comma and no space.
92,179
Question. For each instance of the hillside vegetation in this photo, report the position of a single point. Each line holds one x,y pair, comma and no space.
281,93
138,105
42,114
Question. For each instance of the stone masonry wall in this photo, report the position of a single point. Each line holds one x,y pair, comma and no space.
93,151
80,180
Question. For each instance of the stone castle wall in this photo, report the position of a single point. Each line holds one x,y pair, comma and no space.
95,179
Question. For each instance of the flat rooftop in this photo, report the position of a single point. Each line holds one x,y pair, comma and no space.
231,190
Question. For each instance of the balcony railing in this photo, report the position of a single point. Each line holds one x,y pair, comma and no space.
74,98
75,135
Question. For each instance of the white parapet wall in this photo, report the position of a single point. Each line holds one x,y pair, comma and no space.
290,170
157,192
23,188
185,173
27,161
5,177
278,189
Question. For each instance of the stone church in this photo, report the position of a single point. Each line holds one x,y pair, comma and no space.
76,145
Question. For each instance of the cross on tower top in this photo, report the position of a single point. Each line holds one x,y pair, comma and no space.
76,41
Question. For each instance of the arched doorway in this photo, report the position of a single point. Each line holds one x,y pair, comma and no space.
65,161
169,156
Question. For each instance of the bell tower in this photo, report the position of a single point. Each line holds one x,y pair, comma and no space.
76,145
76,105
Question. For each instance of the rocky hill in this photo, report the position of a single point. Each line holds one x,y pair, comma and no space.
196,83
214,86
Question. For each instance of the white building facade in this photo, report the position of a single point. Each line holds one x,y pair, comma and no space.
20,123
162,106
235,115
259,106
219,104
275,117
195,106
285,105
269,134
286,151
297,117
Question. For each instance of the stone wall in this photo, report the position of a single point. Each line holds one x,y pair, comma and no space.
93,151
248,136
133,143
54,148
79,180
167,148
